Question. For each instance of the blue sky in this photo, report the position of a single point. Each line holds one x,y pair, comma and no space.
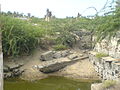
59,8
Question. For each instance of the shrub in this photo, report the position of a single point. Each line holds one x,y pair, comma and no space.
109,83
60,47
100,55
19,36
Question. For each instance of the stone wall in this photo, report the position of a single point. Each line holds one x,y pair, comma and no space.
107,67
1,65
110,47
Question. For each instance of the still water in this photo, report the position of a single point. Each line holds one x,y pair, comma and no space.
50,83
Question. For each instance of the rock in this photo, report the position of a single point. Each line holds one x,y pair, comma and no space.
53,66
5,69
96,86
15,70
65,53
85,39
12,70
18,73
57,55
73,56
47,56
13,66
7,75
50,55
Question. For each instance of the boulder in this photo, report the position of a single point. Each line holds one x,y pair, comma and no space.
57,55
7,75
57,64
65,53
5,69
12,70
13,66
73,56
47,56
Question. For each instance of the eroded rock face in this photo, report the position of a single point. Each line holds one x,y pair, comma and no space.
85,39
110,47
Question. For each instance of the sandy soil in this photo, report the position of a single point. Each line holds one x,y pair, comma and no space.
80,70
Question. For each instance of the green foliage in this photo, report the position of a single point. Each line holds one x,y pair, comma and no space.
19,36
100,55
108,83
60,47
108,25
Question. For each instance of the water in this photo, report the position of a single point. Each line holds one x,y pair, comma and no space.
50,83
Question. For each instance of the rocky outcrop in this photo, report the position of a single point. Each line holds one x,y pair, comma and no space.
84,40
12,70
50,55
110,47
57,64
55,60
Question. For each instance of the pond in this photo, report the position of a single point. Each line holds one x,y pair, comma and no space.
50,83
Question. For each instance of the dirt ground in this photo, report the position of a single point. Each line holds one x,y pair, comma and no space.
80,70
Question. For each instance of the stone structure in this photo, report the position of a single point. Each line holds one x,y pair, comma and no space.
107,67
48,15
110,47
1,65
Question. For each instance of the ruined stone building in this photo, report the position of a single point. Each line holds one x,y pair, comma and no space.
48,15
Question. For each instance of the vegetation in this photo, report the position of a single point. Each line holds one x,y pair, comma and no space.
109,83
19,36
22,36
100,55
60,47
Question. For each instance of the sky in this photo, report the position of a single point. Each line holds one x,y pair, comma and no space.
59,8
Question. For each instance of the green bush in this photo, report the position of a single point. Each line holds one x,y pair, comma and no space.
60,47
100,55
19,36
108,83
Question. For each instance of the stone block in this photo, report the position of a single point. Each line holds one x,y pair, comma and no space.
47,56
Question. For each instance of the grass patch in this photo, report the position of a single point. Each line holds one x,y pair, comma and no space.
109,83
60,47
100,55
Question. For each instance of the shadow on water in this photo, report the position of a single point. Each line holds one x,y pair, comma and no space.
50,83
